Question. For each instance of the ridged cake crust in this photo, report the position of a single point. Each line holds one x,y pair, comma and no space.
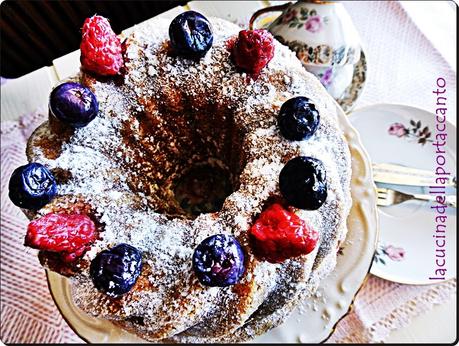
164,115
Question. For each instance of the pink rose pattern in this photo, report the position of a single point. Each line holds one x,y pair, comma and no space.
326,79
415,131
288,16
394,253
391,252
397,129
307,19
313,24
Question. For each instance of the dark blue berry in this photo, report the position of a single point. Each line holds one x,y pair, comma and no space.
219,261
73,104
32,186
191,35
115,271
303,184
298,119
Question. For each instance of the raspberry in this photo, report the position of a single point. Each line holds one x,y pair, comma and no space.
252,50
68,234
100,47
279,234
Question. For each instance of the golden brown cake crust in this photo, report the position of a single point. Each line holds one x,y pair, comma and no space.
165,115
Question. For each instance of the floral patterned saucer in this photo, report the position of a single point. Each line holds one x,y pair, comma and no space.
414,246
348,99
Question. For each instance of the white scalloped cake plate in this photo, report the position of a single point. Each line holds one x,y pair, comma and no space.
315,319
406,251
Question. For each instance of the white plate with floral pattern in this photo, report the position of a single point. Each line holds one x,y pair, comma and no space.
411,249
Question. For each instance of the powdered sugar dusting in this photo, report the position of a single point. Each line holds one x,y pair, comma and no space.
123,164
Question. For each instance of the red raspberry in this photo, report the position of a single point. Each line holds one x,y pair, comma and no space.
100,47
279,234
253,50
68,234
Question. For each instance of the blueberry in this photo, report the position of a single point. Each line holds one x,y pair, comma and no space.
32,186
303,184
115,271
73,104
191,34
298,119
219,261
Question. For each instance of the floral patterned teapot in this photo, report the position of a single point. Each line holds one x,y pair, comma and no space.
322,35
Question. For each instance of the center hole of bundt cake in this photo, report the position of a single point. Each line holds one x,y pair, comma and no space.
187,157
203,189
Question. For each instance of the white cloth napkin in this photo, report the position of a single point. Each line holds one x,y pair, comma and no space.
403,64
437,21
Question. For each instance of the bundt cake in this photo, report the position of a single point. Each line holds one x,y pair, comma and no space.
191,181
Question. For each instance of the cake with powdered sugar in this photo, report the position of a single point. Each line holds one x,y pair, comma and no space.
191,181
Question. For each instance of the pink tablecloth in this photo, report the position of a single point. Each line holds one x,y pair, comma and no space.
28,313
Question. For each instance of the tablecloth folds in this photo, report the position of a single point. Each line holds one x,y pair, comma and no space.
28,313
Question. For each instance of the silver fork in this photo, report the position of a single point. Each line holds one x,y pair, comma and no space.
388,197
